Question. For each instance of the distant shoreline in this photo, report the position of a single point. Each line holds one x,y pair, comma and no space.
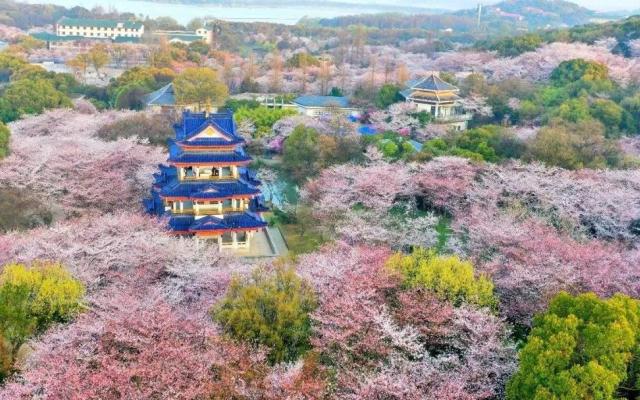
368,8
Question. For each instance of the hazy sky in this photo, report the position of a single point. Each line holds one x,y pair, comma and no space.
600,5
142,7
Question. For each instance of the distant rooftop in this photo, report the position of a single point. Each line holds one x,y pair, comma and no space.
50,37
161,97
322,101
98,23
432,83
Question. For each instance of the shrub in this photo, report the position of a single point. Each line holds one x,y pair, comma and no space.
156,128
4,140
20,209
448,277
583,347
31,298
486,143
269,309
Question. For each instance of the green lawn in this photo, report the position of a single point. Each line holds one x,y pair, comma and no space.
301,241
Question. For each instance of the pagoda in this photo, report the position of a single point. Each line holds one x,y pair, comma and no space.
438,98
206,189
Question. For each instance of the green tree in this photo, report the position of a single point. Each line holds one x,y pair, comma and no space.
578,69
490,143
300,153
130,97
387,95
582,347
610,114
4,140
632,106
335,91
270,310
300,60
27,96
99,57
80,63
200,86
9,64
516,45
573,110
448,277
575,146
262,117
200,47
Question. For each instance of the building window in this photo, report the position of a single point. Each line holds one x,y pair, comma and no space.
227,238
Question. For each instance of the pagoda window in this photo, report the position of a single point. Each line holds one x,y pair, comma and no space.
189,172
228,203
242,237
216,172
226,171
227,238
204,172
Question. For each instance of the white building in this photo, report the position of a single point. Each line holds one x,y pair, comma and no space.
316,106
186,37
98,28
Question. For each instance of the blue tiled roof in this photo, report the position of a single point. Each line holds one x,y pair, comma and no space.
211,142
210,223
195,158
231,221
193,123
322,101
181,223
256,205
208,190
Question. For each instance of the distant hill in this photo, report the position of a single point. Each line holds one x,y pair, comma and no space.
533,14
506,17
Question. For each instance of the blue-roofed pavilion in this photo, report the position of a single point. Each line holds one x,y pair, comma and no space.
207,190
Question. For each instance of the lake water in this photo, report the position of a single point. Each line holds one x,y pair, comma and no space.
285,15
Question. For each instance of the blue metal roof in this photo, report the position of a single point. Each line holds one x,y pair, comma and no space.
322,101
367,130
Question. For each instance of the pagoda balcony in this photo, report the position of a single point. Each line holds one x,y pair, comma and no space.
234,206
207,211
453,118
214,178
